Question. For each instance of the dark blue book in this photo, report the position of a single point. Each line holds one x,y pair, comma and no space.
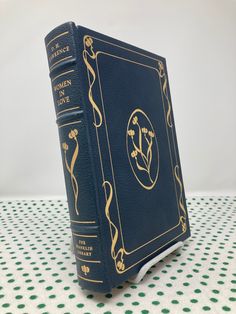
120,157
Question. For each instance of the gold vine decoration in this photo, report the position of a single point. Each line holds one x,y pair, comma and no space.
162,75
181,202
143,160
117,255
70,166
88,42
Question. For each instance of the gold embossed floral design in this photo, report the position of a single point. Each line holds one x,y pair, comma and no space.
70,165
141,148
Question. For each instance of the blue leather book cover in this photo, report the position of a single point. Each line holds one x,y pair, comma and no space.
120,155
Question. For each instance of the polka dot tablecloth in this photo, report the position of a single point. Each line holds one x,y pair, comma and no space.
38,272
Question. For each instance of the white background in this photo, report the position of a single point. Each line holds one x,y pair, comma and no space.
198,39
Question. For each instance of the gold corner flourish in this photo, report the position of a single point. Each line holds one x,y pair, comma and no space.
88,43
163,77
116,254
183,217
70,167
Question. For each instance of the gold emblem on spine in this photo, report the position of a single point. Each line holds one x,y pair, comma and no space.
88,53
70,166
183,217
163,77
142,149
85,269
116,253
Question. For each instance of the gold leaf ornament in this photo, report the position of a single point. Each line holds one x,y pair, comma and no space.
65,146
71,164
73,134
88,56
163,77
180,200
88,41
116,253
141,144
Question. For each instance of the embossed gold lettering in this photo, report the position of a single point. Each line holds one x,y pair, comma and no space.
58,52
63,100
83,249
61,85
60,88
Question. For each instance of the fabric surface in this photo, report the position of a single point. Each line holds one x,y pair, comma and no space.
38,274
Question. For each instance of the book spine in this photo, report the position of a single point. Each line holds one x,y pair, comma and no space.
62,51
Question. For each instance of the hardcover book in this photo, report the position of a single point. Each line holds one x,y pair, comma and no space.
119,150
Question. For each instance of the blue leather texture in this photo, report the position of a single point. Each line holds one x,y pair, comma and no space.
120,155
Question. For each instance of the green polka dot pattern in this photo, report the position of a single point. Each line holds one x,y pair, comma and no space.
38,271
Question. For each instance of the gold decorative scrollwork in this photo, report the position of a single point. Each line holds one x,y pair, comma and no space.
163,77
117,254
70,166
88,52
183,216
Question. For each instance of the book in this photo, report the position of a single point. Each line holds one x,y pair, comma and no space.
119,150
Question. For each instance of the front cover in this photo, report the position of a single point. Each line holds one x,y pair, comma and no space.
131,128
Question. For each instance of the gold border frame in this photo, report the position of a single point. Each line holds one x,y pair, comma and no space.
108,141
120,267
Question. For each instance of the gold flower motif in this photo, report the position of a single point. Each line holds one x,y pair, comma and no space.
73,133
64,146
120,265
151,134
161,66
183,222
85,269
144,130
88,41
135,120
134,154
131,132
